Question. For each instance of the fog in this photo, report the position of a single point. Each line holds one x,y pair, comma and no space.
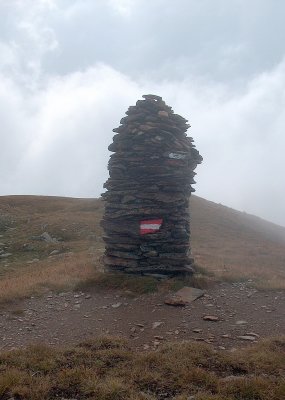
70,69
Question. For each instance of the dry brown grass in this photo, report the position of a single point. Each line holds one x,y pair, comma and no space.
74,221
228,245
106,369
235,246
64,273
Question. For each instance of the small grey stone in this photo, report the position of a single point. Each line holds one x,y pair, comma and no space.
5,255
212,318
159,337
54,252
116,305
252,334
156,324
247,337
45,237
197,330
28,247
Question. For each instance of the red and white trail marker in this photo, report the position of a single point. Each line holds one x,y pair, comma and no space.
150,226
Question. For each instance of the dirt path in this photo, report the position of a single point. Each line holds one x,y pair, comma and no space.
72,317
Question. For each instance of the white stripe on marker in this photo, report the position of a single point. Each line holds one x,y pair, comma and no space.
150,226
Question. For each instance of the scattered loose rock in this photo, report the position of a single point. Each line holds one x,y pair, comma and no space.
212,318
46,237
159,337
54,252
116,305
156,324
253,334
247,337
67,317
6,255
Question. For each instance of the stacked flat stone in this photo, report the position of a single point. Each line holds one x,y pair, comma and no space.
147,219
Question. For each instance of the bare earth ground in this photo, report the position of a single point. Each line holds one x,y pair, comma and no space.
70,317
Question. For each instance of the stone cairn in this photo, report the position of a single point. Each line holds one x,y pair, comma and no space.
147,220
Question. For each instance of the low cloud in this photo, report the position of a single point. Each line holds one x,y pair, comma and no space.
69,70
56,139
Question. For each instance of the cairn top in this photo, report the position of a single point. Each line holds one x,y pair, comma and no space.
152,97
151,111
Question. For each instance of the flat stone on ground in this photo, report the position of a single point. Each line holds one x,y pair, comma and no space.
212,318
184,296
247,337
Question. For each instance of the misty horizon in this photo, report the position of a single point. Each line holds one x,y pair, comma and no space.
69,71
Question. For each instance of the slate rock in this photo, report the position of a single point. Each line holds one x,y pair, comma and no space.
212,318
156,324
6,255
116,305
184,296
146,220
247,337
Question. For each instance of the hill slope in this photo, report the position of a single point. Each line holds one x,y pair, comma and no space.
233,244
227,243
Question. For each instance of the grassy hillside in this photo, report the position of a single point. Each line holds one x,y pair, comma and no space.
226,243
235,245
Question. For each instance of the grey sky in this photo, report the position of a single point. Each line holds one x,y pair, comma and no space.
69,69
